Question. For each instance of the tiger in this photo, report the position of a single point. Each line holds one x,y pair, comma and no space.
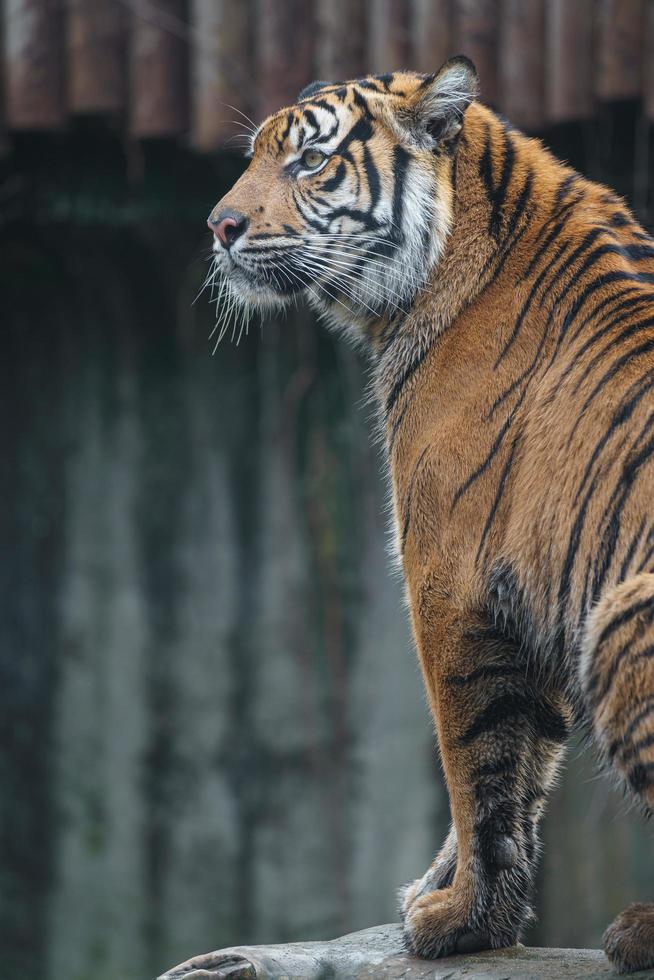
506,305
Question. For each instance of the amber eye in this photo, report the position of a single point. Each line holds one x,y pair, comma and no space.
311,159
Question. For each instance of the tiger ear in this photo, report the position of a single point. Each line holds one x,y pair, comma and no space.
311,89
437,108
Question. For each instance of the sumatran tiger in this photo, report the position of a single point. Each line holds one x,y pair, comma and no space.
507,305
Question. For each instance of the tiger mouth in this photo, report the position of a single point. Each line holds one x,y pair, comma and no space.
278,278
283,273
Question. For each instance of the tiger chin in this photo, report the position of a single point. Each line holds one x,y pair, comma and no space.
507,305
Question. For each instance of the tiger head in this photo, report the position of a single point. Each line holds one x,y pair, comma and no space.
348,197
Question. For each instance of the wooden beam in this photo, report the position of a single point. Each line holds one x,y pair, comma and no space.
431,34
568,60
619,48
340,54
476,32
284,36
34,90
521,62
96,55
389,35
221,75
158,70
648,64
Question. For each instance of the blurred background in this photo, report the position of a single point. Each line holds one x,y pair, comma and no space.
213,729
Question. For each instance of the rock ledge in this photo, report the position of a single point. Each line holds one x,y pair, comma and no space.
378,953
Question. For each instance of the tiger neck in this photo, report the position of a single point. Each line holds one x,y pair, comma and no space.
484,229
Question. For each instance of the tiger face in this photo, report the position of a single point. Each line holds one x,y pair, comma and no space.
348,197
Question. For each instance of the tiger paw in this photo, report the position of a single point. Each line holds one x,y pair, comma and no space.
629,940
441,923
438,876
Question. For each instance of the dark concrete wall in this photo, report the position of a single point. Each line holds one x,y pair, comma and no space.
213,728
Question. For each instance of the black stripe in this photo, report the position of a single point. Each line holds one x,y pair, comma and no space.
498,498
409,496
640,776
645,348
649,554
631,551
606,302
484,672
572,258
610,320
400,167
645,710
611,518
546,721
505,765
499,439
633,750
622,414
527,303
372,175
624,617
603,280
513,233
618,341
486,164
361,131
508,707
408,372
327,106
574,541
336,179
498,194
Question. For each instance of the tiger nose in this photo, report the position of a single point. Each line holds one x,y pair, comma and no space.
227,226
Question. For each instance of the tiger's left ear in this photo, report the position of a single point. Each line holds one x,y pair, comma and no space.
435,111
311,89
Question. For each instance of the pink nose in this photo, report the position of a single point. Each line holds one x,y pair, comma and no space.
227,227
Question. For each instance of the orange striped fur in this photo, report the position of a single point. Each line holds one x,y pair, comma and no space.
507,307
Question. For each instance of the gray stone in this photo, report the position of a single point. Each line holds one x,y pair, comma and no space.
378,952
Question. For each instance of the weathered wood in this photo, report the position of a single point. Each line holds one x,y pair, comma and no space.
379,952
221,75
619,43
95,55
34,94
568,60
158,63
476,35
648,63
340,54
521,63
284,37
431,30
389,37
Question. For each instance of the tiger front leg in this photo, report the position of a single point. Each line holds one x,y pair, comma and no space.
500,738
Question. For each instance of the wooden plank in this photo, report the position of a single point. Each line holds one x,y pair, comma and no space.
431,34
340,54
95,55
34,91
619,46
648,62
521,62
568,60
221,73
158,71
389,35
476,30
284,34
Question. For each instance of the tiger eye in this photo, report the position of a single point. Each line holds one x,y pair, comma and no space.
312,159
